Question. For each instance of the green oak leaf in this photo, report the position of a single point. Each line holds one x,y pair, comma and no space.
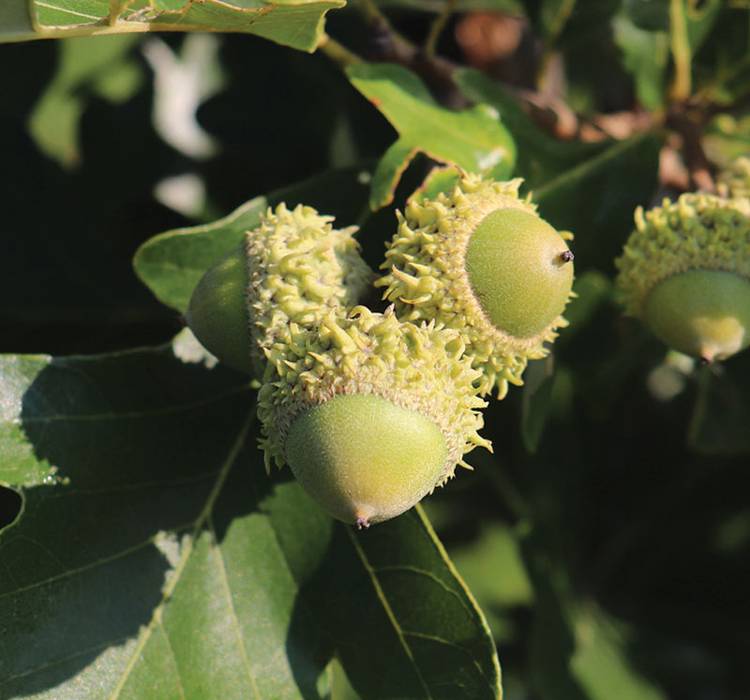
473,139
295,23
15,21
645,55
155,558
102,66
576,650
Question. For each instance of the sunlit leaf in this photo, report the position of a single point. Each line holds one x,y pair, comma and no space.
473,139
295,23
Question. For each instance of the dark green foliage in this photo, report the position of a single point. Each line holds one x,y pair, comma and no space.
144,551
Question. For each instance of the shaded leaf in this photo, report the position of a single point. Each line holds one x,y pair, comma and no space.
492,566
539,380
721,413
101,66
473,139
295,23
171,264
592,289
689,25
645,55
15,21
726,138
540,157
553,15
155,558
647,14
701,18
577,652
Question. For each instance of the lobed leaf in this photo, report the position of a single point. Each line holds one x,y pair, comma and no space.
473,139
295,23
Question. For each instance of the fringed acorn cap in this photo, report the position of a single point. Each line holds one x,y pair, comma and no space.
481,261
388,366
294,267
299,269
697,232
685,271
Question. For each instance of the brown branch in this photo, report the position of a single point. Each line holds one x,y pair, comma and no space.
689,124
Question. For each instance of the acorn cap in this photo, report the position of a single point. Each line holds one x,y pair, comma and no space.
480,260
370,413
294,267
685,271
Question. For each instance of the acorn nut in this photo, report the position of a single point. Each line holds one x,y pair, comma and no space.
371,414
481,261
685,271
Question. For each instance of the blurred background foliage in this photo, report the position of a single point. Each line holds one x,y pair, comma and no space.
607,540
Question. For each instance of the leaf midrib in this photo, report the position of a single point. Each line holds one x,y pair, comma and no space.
187,550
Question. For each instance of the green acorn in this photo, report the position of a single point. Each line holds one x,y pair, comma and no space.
480,260
685,271
293,268
371,414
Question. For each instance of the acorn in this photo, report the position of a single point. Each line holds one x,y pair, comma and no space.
685,271
480,260
371,414
294,267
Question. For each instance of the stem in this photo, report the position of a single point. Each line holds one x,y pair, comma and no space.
437,28
338,53
682,85
372,13
690,127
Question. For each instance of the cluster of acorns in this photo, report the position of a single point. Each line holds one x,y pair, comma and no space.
371,410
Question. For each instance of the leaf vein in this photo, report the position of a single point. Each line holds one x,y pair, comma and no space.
388,610
221,565
184,556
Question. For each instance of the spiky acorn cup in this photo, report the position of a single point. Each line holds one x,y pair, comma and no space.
371,414
685,271
480,260
294,267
